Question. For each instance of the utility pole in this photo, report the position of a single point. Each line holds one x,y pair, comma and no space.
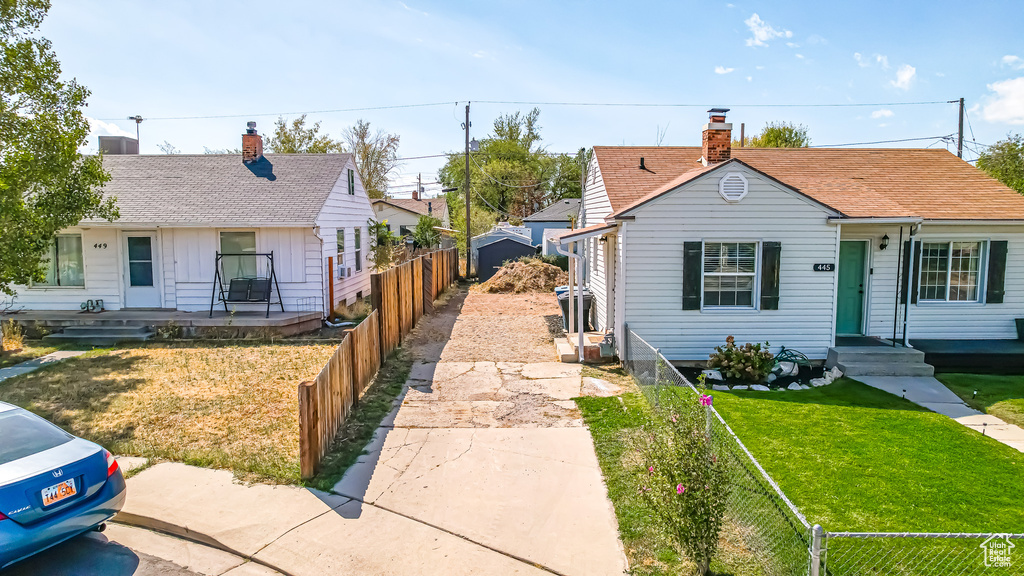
960,140
138,120
419,185
469,252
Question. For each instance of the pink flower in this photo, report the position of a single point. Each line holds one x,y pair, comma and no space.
714,458
650,469
673,419
706,400
680,488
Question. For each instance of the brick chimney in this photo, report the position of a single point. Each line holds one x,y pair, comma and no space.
416,192
252,144
716,143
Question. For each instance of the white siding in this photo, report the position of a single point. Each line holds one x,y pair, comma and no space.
348,211
653,256
598,280
101,249
396,217
167,265
595,199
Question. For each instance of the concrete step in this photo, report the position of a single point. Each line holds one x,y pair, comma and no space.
107,330
565,351
102,335
854,369
872,354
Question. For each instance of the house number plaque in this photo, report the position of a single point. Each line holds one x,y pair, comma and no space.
830,267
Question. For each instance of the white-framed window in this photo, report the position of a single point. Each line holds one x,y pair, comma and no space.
359,248
65,264
237,244
950,271
730,274
339,261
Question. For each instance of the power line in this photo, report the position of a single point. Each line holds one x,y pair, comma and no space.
881,141
496,181
682,105
215,116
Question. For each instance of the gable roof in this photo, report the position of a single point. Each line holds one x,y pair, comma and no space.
858,183
558,211
421,207
219,190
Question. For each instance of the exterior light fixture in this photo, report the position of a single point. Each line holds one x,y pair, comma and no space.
885,242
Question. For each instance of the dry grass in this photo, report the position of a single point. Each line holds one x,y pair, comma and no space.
13,336
523,276
504,328
223,406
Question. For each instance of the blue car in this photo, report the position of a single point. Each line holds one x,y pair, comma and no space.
53,486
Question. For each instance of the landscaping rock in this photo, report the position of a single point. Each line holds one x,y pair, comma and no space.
820,382
794,386
759,388
713,375
835,373
721,387
770,378
742,387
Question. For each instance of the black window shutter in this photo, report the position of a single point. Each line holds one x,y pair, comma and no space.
907,275
692,265
771,261
996,272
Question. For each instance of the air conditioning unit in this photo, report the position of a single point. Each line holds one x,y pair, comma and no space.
345,272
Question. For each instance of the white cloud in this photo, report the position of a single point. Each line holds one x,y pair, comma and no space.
763,32
1015,62
792,44
861,61
723,70
882,60
759,67
883,113
99,128
413,10
800,56
816,39
1007,104
750,78
904,76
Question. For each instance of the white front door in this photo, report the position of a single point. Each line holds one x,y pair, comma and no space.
141,284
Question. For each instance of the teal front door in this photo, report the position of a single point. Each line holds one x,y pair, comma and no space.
850,310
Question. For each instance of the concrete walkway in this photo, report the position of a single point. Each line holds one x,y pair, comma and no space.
30,365
933,395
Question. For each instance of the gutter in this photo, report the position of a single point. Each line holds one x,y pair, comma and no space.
835,220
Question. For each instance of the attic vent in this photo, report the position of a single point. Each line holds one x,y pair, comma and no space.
733,187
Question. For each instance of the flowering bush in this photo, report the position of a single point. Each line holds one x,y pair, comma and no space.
681,477
750,362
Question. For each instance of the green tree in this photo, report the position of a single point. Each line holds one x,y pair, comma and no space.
376,156
297,138
568,179
1004,161
425,234
45,184
779,135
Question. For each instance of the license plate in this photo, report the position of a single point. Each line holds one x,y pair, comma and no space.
54,494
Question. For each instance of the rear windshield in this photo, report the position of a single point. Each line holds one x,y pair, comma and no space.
22,434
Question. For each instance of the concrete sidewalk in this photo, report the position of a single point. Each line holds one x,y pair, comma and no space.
928,392
34,364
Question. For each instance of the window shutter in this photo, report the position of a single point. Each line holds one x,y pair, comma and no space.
907,274
771,262
351,182
692,265
996,272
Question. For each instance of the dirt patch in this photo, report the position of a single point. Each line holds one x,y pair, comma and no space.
503,328
522,276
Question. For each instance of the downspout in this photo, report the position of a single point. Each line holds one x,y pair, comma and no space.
580,261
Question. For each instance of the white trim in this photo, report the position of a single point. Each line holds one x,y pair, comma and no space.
85,278
865,314
985,246
895,220
156,263
835,286
755,291
732,199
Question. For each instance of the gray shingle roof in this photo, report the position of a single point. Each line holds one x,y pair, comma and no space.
559,211
423,206
218,189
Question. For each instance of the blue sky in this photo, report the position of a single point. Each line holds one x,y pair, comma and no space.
255,59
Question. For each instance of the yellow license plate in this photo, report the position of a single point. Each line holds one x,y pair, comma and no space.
54,494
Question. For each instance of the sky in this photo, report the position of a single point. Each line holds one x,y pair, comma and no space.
410,67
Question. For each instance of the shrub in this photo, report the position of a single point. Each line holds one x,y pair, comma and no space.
750,362
13,338
682,480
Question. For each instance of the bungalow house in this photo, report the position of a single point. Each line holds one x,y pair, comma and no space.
802,248
402,214
560,214
177,212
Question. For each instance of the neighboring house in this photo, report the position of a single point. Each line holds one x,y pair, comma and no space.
178,211
500,231
402,214
689,245
559,215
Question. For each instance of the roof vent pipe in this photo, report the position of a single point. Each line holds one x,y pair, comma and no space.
642,166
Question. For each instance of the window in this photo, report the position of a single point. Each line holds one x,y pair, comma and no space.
359,249
950,271
340,249
235,245
64,264
351,181
404,231
729,272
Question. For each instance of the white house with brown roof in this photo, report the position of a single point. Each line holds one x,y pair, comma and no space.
178,212
402,214
689,245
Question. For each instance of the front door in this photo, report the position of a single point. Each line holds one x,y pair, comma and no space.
141,289
850,309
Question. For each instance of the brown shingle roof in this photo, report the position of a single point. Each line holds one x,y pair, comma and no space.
860,183
418,206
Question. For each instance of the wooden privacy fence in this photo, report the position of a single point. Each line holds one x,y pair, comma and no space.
326,401
405,293
401,296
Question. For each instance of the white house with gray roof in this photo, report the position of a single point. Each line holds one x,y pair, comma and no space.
177,212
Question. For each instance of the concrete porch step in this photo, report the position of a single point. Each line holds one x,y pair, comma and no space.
873,354
854,368
102,335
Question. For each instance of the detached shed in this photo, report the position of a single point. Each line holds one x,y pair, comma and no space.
492,256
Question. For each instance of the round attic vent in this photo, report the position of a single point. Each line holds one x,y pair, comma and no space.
733,187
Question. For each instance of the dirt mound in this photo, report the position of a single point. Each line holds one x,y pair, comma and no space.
523,276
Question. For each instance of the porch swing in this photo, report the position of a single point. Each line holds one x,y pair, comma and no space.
246,288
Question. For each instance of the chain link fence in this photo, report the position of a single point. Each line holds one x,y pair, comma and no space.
781,538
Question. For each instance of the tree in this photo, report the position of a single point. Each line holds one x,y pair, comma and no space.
425,234
168,148
779,135
45,184
297,138
1004,161
568,179
386,247
376,156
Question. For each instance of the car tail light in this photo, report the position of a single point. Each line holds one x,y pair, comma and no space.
111,463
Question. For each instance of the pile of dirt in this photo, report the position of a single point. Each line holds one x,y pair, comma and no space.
522,276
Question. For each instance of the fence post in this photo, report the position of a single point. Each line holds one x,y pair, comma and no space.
376,302
308,430
657,377
816,535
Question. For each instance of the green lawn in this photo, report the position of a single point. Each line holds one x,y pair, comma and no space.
854,458
28,350
1000,396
